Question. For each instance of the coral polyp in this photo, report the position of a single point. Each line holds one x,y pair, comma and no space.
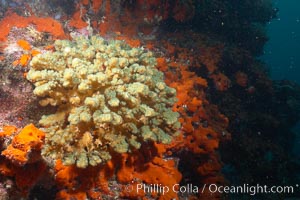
110,98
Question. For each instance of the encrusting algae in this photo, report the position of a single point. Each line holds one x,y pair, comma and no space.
110,98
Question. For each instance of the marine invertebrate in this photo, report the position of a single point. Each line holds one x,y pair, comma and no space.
28,53
7,131
110,98
119,176
49,25
203,126
24,44
25,145
241,79
21,156
158,171
222,82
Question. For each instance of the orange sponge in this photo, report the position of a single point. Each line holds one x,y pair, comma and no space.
25,146
24,44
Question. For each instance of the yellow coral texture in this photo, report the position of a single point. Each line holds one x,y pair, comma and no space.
110,98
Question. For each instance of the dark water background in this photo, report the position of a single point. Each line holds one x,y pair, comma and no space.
282,52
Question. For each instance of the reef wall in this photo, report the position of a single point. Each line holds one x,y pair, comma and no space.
123,93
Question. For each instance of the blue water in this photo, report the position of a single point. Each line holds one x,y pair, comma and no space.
282,52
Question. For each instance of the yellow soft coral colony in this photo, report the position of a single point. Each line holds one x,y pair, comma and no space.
110,98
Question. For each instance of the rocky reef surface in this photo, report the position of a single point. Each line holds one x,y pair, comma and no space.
98,98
